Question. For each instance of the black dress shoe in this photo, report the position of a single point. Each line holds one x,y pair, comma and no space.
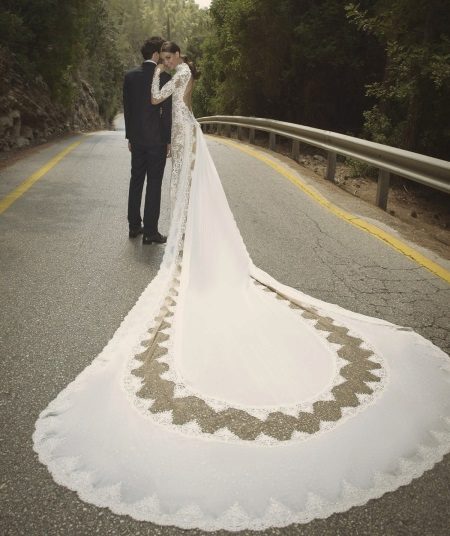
135,232
157,238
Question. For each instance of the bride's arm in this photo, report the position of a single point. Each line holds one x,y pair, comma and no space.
180,78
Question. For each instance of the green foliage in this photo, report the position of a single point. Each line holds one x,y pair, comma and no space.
127,19
301,62
56,39
412,97
13,32
181,21
97,40
377,69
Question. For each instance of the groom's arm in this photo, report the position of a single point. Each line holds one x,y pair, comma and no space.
166,112
126,105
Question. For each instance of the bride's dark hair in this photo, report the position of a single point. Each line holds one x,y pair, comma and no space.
170,46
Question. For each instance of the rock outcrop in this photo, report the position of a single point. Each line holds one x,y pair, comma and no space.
29,115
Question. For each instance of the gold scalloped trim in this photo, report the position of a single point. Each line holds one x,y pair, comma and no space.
278,425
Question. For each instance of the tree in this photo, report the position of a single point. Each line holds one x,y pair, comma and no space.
412,108
181,21
301,62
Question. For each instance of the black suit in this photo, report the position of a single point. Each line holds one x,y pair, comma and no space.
147,128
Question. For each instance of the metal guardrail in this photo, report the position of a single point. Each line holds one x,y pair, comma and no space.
432,172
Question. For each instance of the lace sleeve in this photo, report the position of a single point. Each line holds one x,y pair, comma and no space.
180,78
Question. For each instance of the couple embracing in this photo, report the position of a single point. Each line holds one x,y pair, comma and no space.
148,125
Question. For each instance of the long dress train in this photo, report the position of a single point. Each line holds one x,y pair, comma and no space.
227,400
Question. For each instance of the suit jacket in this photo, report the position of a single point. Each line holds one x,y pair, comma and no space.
145,123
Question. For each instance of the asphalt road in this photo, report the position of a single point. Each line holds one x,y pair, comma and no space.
69,274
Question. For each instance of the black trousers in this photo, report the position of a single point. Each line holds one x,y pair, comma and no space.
146,160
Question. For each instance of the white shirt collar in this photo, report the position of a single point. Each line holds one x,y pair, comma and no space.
150,61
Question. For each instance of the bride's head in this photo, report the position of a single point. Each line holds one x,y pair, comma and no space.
171,57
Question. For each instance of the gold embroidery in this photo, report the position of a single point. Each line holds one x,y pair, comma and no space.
357,373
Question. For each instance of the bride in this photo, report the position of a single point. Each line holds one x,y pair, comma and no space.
227,400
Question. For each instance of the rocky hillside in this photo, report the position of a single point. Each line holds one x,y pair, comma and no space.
29,115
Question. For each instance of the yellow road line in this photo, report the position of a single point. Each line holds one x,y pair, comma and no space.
10,198
386,237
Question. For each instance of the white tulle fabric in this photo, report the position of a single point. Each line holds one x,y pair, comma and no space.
231,344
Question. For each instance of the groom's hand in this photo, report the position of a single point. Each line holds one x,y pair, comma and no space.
169,150
129,146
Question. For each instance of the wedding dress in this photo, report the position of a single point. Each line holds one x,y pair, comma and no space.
227,400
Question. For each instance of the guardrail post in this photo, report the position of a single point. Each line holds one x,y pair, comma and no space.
251,135
228,131
295,150
331,166
239,133
384,178
272,141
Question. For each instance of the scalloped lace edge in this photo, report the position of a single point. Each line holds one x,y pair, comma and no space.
235,518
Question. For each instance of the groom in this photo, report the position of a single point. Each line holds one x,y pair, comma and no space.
148,130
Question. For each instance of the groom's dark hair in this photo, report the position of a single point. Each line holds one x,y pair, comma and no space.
151,46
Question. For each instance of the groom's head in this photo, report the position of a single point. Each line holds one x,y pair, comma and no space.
151,48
